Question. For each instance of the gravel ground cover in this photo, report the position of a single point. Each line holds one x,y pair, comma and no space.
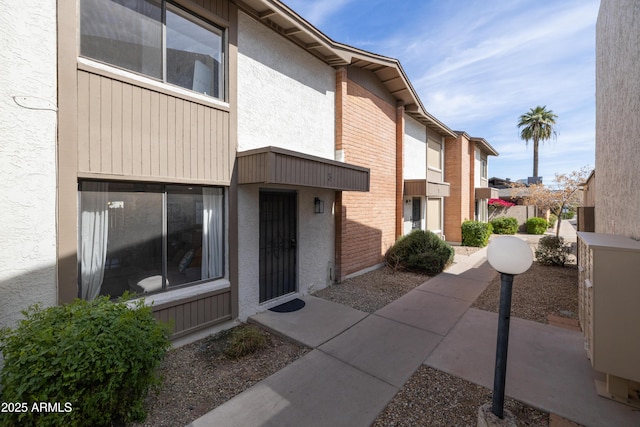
436,399
371,291
198,378
538,292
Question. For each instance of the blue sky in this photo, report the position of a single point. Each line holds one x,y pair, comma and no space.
478,65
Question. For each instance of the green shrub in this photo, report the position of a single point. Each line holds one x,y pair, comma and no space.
245,340
537,225
476,233
505,225
568,215
421,251
552,220
551,250
96,358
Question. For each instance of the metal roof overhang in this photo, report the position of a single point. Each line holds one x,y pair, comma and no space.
273,165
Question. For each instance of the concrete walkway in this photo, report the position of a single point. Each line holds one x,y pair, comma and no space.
359,361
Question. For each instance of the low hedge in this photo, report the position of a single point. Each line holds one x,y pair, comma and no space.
537,225
476,233
96,359
505,225
421,251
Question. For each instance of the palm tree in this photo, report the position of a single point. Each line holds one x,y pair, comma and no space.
537,125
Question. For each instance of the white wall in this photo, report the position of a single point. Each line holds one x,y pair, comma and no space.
315,245
27,156
286,96
415,149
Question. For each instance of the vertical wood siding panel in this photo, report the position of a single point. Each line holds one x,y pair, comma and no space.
83,121
193,310
154,133
162,315
193,154
127,130
94,123
179,137
209,144
170,315
116,126
226,302
171,137
105,125
201,318
207,311
145,129
216,137
186,140
225,158
179,324
162,133
136,134
201,142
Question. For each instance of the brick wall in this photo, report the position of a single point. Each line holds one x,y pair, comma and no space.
459,174
367,133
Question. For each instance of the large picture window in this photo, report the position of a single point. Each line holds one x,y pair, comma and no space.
155,38
145,238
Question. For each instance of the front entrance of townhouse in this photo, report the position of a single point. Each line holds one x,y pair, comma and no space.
278,244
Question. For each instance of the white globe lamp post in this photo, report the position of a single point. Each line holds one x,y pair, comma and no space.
510,256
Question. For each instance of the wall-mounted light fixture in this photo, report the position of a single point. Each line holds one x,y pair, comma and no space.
318,205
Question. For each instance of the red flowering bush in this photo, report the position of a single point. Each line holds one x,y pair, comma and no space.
500,203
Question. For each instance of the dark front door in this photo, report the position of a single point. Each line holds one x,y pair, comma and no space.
277,244
416,215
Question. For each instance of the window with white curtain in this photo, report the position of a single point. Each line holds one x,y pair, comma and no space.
146,238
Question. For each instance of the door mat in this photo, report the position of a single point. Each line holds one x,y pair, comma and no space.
289,306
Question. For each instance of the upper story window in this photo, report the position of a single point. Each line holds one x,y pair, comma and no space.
483,168
157,39
434,154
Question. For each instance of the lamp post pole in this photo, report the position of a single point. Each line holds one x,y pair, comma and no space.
500,373
509,255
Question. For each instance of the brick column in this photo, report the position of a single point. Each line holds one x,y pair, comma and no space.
399,166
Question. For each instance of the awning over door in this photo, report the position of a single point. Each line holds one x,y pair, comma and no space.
422,187
272,165
486,193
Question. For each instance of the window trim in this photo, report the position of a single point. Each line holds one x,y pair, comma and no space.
126,76
198,16
164,194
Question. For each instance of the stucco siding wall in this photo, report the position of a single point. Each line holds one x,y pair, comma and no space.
415,149
27,157
618,118
286,96
315,245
